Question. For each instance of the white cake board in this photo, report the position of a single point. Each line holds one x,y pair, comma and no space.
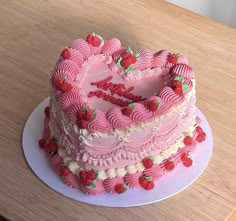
171,184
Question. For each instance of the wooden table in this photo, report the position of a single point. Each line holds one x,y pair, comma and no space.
32,35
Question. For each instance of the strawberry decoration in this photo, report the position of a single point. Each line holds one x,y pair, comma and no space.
153,105
85,116
64,171
51,147
63,85
179,86
174,58
65,53
148,162
201,135
42,143
127,59
121,188
170,165
146,182
88,178
95,40
127,110
186,159
47,111
188,140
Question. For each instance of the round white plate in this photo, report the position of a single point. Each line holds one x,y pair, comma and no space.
171,183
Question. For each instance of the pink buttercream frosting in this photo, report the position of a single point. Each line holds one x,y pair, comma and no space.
111,46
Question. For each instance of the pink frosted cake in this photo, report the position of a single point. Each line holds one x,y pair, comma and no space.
119,120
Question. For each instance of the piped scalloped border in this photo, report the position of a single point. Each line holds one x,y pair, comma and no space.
74,59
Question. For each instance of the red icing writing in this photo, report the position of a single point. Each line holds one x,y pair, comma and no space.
118,89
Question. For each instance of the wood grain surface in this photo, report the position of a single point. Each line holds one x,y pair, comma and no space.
33,33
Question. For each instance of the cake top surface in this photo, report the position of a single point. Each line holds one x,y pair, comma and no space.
101,86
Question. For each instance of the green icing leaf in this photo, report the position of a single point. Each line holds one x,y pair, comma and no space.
96,171
129,50
84,108
64,78
94,114
148,178
185,87
190,156
151,157
93,33
92,186
51,154
132,105
137,55
118,62
179,78
126,187
187,134
129,69
179,54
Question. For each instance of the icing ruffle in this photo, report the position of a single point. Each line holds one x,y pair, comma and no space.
168,95
100,124
94,191
71,180
145,59
183,70
109,184
132,180
140,113
82,46
160,59
117,119
70,66
76,57
56,161
111,45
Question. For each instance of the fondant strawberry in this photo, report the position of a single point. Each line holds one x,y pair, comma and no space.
47,111
120,188
149,186
125,54
199,129
147,162
65,53
152,106
186,159
132,58
188,141
177,87
91,175
127,111
82,123
88,116
42,143
88,178
174,58
201,137
51,146
169,165
94,40
143,181
65,87
64,170
125,63
82,176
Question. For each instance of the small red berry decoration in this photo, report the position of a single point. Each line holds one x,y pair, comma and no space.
95,40
63,85
153,105
201,137
51,146
174,58
170,165
121,188
127,59
148,162
42,143
64,170
177,87
65,53
199,129
47,111
146,182
88,178
186,159
188,141
85,116
127,111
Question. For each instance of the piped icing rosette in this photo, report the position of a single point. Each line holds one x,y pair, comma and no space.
82,46
56,161
168,95
132,180
110,183
71,180
145,59
111,46
70,66
98,189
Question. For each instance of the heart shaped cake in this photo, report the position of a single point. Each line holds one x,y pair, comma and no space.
119,119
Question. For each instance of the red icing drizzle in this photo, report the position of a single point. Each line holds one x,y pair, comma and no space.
118,89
